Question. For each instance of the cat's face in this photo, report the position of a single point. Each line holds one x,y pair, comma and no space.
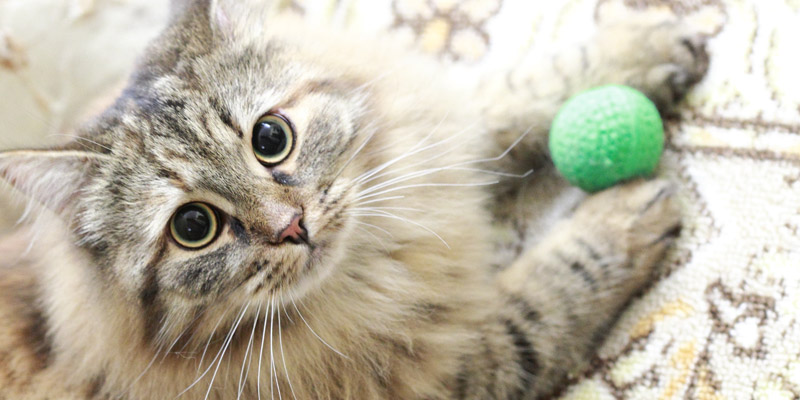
234,166
226,176
221,176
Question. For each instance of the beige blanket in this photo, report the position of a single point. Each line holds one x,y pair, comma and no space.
723,320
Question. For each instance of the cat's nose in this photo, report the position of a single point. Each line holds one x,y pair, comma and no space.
295,232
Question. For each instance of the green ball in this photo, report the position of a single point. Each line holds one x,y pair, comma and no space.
606,135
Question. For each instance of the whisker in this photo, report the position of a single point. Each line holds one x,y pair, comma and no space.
385,214
399,179
374,238
456,166
425,139
219,353
246,353
79,138
183,332
194,333
272,368
208,342
429,171
261,352
271,382
410,166
283,356
312,329
372,226
405,155
224,349
497,173
387,208
374,80
149,365
357,203
394,189
166,353
285,312
361,147
395,143
252,353
434,130
504,153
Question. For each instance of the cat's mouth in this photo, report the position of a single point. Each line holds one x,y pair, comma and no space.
302,264
294,269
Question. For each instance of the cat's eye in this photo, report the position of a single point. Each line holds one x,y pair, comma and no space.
273,139
194,226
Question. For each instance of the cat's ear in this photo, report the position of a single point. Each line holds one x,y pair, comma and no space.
230,18
204,16
221,16
225,19
50,177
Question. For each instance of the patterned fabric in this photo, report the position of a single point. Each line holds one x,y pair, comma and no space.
722,322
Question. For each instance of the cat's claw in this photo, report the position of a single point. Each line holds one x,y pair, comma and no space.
668,83
659,55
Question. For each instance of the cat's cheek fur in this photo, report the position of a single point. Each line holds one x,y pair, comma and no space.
320,264
201,276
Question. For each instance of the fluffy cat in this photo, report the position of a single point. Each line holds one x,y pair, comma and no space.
274,210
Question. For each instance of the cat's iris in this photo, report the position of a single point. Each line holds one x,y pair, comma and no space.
273,139
194,226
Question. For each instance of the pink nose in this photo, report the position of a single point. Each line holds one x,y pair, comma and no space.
294,232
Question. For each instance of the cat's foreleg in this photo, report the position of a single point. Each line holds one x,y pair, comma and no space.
657,54
562,294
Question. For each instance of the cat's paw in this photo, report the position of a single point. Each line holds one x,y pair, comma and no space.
640,220
685,62
657,54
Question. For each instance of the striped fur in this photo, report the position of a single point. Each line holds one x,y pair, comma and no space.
393,297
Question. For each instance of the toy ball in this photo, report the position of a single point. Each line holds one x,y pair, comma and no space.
606,135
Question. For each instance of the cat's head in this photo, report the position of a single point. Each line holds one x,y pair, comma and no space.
230,168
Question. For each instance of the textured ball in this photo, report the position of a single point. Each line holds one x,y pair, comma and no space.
606,135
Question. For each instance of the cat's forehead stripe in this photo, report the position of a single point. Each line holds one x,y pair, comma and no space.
148,294
174,178
326,86
225,116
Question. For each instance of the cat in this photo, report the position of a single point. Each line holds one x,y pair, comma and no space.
277,210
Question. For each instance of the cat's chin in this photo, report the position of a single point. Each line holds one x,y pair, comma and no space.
324,255
318,267
310,268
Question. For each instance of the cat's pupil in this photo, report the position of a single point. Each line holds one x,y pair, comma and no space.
192,224
269,138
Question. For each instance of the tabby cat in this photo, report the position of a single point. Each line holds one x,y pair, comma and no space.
277,210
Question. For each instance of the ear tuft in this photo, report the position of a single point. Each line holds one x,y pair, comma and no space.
221,23
201,16
50,177
226,20
233,18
